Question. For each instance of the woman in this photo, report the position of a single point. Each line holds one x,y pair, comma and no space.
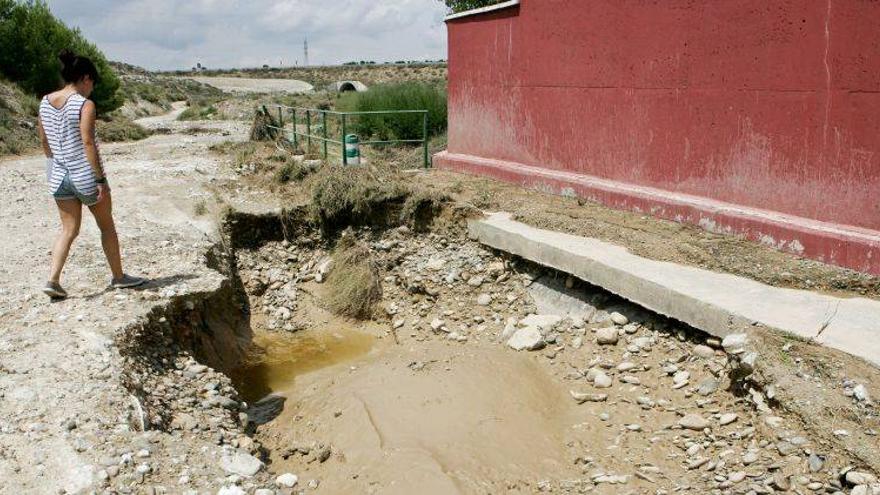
75,171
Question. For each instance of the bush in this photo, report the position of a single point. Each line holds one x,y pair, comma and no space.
404,96
119,129
32,38
353,286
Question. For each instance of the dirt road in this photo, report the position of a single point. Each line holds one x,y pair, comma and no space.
63,410
249,85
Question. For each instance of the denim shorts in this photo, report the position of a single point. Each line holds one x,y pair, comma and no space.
68,191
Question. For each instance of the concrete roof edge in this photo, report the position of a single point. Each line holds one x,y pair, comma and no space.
482,10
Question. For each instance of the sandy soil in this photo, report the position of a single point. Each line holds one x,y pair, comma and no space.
248,85
653,238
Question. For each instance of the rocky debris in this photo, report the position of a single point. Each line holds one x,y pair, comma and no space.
529,339
287,480
693,422
607,336
240,463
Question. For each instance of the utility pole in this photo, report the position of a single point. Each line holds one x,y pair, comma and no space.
306,51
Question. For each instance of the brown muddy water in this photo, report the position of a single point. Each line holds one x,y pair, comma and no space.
277,359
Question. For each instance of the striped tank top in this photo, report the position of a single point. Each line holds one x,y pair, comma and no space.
68,154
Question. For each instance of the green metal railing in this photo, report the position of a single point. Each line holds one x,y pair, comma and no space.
300,117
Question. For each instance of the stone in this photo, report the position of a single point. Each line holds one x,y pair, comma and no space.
287,480
693,422
816,463
618,318
727,419
680,379
529,339
704,351
437,324
542,322
786,448
708,387
749,458
484,299
736,477
859,478
861,393
240,463
602,380
475,281
607,336
580,397
735,343
231,490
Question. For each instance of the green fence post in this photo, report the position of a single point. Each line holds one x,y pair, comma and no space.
425,136
342,140
324,123
295,140
309,130
281,119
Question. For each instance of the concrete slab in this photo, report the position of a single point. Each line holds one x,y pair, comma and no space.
717,303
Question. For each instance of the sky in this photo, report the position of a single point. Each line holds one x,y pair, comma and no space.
170,34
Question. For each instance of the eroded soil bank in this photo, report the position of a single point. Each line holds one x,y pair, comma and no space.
429,396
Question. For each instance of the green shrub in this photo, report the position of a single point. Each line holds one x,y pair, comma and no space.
31,39
403,96
120,129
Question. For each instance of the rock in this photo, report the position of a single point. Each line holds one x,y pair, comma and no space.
542,322
287,480
693,422
607,336
859,478
231,490
437,324
618,318
727,419
704,351
735,343
484,299
708,387
264,491
475,281
736,477
749,458
240,463
786,448
816,463
602,380
861,393
680,379
580,398
528,338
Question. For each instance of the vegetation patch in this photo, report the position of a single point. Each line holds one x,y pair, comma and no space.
117,128
354,286
345,196
404,96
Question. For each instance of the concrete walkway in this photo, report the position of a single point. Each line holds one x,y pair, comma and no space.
717,303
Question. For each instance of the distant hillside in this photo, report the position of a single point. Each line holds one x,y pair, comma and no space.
18,120
147,93
320,77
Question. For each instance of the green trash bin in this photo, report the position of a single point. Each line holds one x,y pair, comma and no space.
352,150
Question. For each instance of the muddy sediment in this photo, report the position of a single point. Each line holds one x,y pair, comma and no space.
428,395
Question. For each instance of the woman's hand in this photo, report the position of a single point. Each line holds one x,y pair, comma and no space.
103,191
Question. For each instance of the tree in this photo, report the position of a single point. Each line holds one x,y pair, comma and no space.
31,39
462,5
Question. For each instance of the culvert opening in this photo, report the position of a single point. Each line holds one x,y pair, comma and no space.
428,393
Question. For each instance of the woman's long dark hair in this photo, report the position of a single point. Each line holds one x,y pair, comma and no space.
75,68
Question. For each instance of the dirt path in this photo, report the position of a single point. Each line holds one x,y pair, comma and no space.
63,409
250,85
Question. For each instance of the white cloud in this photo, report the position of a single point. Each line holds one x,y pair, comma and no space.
169,34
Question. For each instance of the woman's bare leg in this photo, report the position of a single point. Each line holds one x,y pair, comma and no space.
103,213
71,218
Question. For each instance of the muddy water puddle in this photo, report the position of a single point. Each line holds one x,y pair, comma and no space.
279,358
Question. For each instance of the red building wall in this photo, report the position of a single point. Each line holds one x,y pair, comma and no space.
762,108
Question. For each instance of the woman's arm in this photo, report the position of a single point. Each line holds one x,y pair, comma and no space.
43,140
88,116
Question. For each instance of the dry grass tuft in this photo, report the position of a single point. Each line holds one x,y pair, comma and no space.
354,286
